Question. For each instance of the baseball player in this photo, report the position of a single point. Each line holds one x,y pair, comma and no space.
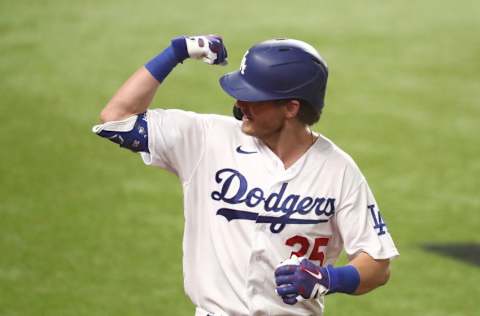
269,204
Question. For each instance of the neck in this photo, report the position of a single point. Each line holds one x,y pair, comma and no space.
290,143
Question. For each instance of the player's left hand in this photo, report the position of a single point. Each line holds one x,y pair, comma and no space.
299,278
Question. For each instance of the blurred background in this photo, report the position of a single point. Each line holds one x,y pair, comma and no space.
87,229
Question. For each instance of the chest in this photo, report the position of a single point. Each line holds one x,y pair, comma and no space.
249,187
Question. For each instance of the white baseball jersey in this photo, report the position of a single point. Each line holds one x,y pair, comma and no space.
244,213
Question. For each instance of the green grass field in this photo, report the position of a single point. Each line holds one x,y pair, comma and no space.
87,229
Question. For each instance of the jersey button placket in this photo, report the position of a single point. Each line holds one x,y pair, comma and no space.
256,273
258,264
257,270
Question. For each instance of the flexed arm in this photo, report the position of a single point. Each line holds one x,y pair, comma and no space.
137,92
123,117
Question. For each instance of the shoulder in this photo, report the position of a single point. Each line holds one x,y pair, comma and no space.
209,119
334,153
339,162
213,127
221,121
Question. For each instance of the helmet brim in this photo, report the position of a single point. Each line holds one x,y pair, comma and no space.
237,87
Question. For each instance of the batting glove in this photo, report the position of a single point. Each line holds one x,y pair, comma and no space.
209,48
299,278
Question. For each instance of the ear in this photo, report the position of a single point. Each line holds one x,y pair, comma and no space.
291,108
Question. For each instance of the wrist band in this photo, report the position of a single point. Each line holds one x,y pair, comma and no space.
162,64
344,279
179,45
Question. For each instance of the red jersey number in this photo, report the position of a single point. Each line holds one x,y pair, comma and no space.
317,252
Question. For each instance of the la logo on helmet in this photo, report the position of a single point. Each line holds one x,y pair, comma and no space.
243,64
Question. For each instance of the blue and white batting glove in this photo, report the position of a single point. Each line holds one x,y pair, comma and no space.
209,48
299,278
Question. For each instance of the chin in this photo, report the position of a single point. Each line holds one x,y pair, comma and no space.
248,129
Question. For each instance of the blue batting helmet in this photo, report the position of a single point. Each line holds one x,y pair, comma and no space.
279,69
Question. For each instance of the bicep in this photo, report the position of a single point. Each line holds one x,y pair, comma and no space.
176,140
361,226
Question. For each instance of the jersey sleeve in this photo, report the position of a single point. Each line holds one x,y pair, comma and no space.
362,227
176,141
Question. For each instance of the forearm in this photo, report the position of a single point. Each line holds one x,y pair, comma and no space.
373,273
133,97
137,92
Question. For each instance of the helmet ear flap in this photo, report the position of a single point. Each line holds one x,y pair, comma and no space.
237,113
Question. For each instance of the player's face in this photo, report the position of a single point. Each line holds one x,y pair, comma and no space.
262,119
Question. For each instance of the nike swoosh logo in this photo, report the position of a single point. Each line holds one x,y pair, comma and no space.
241,151
317,275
